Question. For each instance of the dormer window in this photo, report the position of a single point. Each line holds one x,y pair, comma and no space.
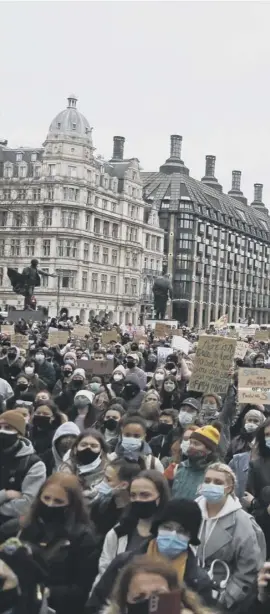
74,126
59,125
18,157
33,157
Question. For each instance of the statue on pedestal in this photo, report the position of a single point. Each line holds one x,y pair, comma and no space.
24,283
162,290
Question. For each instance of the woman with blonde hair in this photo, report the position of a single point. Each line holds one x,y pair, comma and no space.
229,548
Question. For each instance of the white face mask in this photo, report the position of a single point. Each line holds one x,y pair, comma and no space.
159,377
117,377
40,358
29,370
250,427
185,445
185,417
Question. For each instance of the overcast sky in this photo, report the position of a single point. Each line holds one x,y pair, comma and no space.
144,70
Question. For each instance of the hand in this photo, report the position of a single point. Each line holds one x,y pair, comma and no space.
248,498
263,581
13,494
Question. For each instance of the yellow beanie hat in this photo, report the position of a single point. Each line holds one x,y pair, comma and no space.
209,435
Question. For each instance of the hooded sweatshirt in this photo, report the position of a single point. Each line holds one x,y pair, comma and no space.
31,483
68,428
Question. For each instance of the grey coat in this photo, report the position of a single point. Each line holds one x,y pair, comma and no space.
240,465
231,539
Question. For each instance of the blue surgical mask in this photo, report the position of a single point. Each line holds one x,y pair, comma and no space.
94,387
131,443
213,492
171,544
103,488
267,442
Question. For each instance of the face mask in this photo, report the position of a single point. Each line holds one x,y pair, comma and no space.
130,391
169,386
77,383
94,387
185,446
81,402
159,377
83,358
130,364
110,424
29,370
144,606
185,417
12,356
110,356
141,347
250,427
42,422
171,544
143,509
267,442
118,377
103,488
210,410
40,359
7,439
164,428
67,373
131,443
213,492
52,513
86,456
22,386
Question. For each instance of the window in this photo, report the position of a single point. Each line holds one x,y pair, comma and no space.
95,253
114,257
94,282
147,241
114,206
104,283
115,228
153,243
86,251
21,195
71,194
96,201
126,285
104,204
32,218
105,257
84,281
22,172
67,248
3,218
127,258
50,192
46,247
185,221
33,157
8,172
36,194
183,244
69,219
47,217
158,244
1,275
74,126
72,171
67,279
2,247
15,247
17,219
88,221
44,279
51,170
134,287
7,194
106,229
18,157
134,260
97,225
88,197
37,171
113,284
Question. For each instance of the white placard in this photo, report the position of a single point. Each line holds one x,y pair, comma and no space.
180,343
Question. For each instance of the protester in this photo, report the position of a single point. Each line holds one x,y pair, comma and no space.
109,425
132,443
243,442
259,468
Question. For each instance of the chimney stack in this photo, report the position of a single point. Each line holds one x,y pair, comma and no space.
258,190
176,146
209,178
235,191
118,148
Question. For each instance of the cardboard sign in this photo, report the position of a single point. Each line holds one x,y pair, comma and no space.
240,350
213,362
162,354
247,331
59,337
262,335
180,343
97,367
80,331
162,330
108,336
26,314
232,332
7,329
21,341
254,386
140,339
177,332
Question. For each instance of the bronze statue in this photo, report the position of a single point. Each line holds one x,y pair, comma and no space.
24,283
162,290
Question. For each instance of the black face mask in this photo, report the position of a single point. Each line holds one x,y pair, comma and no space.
144,509
77,383
56,514
7,441
130,391
87,456
42,422
22,386
164,428
12,356
9,600
139,607
110,424
67,373
130,364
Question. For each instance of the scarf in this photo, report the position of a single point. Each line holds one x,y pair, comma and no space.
179,563
90,467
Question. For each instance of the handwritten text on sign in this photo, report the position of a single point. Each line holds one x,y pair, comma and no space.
254,386
212,365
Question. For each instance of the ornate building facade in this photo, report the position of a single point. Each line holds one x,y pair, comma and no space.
83,218
217,246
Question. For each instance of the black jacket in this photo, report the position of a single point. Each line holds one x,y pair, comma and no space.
105,515
161,444
195,578
258,475
46,372
72,562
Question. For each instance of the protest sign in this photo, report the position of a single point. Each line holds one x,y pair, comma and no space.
212,364
7,329
162,330
14,315
180,343
80,331
254,386
59,337
162,354
108,336
262,335
97,367
21,341
240,350
177,332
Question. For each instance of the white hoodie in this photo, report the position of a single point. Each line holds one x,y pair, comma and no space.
208,524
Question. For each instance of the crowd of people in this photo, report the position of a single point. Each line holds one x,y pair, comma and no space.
124,485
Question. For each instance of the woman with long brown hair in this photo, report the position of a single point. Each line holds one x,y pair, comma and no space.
58,524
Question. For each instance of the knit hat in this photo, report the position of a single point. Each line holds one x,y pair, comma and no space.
255,413
15,419
79,373
185,512
85,393
209,435
120,369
